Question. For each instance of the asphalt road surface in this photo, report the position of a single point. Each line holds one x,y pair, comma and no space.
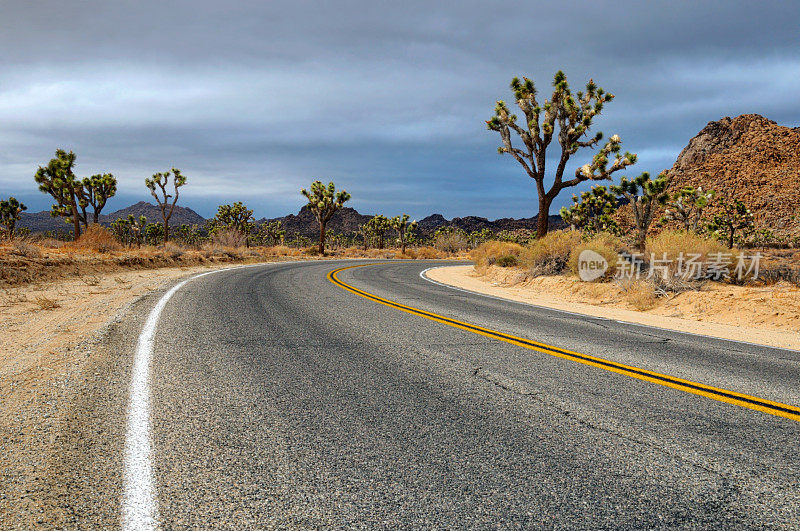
280,399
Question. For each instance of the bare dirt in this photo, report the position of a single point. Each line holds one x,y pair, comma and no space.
767,315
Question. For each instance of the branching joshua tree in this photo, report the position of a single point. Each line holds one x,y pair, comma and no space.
10,210
567,117
97,189
272,233
686,206
733,217
403,228
237,217
161,180
643,192
377,228
58,179
592,212
324,202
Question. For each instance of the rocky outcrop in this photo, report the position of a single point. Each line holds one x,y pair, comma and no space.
749,158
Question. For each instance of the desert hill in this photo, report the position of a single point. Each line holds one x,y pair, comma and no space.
43,222
749,158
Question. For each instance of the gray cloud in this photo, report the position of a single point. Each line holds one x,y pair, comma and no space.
254,99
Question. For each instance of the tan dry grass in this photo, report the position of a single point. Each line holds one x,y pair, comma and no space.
604,244
549,255
489,253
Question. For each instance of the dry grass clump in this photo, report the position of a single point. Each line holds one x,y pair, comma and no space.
504,254
451,242
45,303
229,238
672,243
606,245
171,250
549,255
26,248
427,253
280,250
97,238
640,294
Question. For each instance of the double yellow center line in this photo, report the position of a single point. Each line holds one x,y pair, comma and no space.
714,393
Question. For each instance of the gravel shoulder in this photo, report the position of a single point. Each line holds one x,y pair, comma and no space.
762,315
58,358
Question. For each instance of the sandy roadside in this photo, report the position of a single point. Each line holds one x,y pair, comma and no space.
763,315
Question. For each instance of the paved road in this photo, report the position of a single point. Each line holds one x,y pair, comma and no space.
282,400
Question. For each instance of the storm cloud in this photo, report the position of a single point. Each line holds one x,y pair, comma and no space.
253,100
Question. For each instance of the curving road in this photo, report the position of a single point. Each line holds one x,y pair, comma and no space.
280,399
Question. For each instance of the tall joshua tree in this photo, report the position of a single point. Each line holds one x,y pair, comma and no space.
58,179
161,181
573,115
324,202
403,227
10,210
97,189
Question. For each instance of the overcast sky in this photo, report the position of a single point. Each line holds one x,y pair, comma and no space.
253,100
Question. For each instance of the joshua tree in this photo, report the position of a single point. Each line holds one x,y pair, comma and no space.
161,180
686,206
573,114
58,180
237,217
97,189
377,227
403,228
324,202
10,210
272,232
642,192
733,216
592,211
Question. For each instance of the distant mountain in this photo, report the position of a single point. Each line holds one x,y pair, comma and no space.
43,222
304,223
181,215
348,220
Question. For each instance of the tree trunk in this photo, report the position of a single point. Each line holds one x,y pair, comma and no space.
166,230
322,238
730,238
76,222
543,218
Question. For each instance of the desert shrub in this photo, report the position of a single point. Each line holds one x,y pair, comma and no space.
640,294
426,253
229,237
673,249
312,250
50,243
489,253
24,247
606,245
97,238
450,240
507,260
172,250
549,255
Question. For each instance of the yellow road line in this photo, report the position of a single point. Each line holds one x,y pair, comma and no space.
714,393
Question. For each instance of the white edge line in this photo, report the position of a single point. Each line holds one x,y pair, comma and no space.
139,501
423,276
